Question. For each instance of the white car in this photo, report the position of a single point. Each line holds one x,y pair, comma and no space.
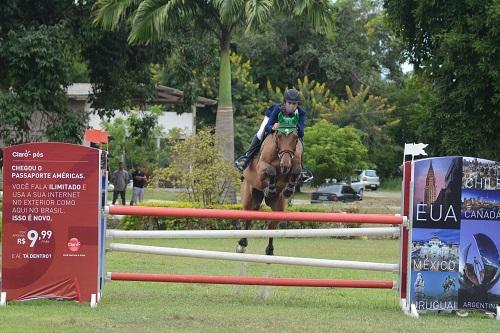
369,179
358,186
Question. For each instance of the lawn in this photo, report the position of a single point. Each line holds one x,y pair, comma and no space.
151,194
162,307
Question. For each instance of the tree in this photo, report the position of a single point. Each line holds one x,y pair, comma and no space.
317,100
194,68
362,49
34,75
47,45
151,20
333,152
456,46
200,169
371,116
190,65
413,104
134,140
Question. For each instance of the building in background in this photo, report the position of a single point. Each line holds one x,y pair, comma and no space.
79,100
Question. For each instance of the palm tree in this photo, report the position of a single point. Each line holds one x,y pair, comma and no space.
150,20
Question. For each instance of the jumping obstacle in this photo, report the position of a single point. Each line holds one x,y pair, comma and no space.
255,215
235,280
278,233
260,258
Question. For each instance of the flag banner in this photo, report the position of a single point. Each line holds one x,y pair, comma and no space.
415,149
51,212
455,240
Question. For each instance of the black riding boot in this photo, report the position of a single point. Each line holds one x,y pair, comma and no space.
242,162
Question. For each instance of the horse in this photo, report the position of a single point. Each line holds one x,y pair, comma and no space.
272,176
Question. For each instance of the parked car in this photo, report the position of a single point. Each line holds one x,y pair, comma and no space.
335,192
369,179
357,185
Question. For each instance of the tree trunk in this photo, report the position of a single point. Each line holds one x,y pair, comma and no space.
224,125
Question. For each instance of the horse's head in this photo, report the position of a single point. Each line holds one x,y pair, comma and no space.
286,140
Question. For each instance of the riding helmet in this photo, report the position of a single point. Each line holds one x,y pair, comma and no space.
292,95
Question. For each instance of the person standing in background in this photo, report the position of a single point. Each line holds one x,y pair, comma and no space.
139,180
120,179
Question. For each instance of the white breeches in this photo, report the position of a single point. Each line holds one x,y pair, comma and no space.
260,132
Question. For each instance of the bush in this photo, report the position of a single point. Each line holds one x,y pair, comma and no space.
163,223
199,168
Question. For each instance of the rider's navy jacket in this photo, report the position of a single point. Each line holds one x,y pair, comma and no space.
272,113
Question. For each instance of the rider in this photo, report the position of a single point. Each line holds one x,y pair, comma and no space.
289,107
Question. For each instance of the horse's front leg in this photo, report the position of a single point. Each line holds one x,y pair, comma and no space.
267,177
292,181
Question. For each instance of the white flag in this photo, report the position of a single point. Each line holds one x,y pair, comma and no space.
415,149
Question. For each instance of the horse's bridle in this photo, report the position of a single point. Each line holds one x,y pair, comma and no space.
284,151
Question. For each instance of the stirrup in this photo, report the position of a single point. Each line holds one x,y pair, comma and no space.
240,163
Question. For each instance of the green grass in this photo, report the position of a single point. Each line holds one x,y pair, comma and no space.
155,194
151,194
391,184
302,195
161,307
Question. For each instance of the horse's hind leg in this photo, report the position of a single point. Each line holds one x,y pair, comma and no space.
277,205
251,200
270,247
243,242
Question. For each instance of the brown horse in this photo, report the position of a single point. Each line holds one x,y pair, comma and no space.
272,177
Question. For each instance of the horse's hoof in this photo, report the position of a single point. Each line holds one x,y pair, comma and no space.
240,249
272,194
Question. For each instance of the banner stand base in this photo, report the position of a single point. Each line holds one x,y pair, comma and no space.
93,301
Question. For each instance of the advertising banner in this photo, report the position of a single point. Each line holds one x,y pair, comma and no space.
51,210
455,239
